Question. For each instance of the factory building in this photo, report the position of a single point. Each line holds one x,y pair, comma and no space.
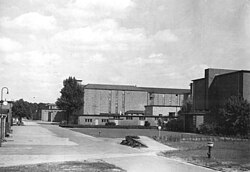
129,105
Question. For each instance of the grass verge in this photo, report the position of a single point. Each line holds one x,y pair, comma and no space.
74,166
226,155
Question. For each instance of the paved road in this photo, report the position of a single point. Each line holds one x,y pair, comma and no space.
38,143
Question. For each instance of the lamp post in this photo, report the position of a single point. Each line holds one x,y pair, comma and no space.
2,116
159,133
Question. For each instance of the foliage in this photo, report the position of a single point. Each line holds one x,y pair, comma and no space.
209,128
160,122
21,109
175,125
230,119
147,124
235,116
110,123
186,106
71,99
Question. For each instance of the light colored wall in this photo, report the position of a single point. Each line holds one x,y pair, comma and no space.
122,121
97,101
164,110
168,99
45,114
82,121
246,86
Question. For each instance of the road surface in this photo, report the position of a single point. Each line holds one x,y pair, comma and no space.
40,143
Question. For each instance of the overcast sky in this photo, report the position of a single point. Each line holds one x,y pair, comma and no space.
158,43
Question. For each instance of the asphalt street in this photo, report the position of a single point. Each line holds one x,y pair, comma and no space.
40,143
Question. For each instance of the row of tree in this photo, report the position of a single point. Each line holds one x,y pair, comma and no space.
71,100
233,118
23,109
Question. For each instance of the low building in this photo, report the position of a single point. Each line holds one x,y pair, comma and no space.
129,105
5,118
52,114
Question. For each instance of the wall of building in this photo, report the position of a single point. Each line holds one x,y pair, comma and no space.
223,87
246,86
113,101
166,99
123,120
92,120
199,94
56,115
164,111
210,74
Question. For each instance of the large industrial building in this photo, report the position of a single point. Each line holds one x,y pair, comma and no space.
129,105
213,90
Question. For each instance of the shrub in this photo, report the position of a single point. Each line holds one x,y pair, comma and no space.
175,125
110,124
147,124
209,128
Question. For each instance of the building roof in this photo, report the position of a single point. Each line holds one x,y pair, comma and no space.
166,90
135,112
112,87
135,88
198,79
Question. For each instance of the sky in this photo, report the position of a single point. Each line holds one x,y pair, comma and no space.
155,43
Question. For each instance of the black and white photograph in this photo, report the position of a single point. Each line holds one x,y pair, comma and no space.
125,85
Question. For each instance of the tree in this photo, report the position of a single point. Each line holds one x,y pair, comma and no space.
71,99
235,116
21,109
186,106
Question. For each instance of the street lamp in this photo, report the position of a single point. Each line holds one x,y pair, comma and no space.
159,129
2,116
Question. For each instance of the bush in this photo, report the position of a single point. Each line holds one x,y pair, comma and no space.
209,128
175,125
110,124
147,124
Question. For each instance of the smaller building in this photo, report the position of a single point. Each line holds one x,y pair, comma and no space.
52,114
5,118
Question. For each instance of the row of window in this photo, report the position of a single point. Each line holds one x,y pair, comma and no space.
88,120
117,117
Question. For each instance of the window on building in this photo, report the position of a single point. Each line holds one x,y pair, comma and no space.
142,118
88,120
116,117
129,118
171,114
104,120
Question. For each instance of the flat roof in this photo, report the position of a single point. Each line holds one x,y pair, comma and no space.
135,88
112,87
166,90
198,79
230,73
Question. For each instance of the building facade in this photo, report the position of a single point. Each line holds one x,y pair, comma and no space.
129,105
52,114
214,89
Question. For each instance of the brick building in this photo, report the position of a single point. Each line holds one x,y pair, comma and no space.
213,90
129,105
